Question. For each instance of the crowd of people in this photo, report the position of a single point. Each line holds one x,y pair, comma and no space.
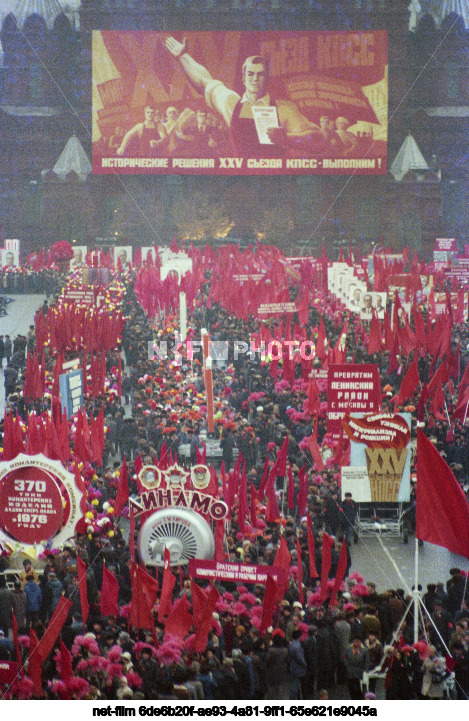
313,649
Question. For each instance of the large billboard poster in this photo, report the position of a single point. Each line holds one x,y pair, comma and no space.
380,458
240,103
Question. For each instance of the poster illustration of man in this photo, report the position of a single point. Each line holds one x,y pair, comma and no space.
9,258
79,256
236,102
123,253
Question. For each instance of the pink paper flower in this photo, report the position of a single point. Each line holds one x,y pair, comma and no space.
78,686
115,653
239,609
248,598
133,679
360,590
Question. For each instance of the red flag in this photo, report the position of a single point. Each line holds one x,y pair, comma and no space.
242,500
14,626
375,339
144,591
17,444
119,376
303,308
132,532
66,670
283,559
442,507
54,627
420,335
326,563
291,489
179,621
122,496
265,477
461,410
311,404
409,384
439,379
200,641
311,551
253,506
163,457
85,606
199,601
281,461
109,594
300,571
321,342
8,436
313,448
272,511
341,569
340,348
422,402
169,579
35,661
437,404
302,498
270,601
454,362
464,382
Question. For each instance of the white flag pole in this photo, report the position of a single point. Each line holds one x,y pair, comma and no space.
416,590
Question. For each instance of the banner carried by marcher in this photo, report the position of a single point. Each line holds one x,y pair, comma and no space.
352,387
240,103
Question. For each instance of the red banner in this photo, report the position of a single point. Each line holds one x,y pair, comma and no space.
356,388
240,103
236,572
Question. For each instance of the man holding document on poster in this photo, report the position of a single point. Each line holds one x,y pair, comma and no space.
259,125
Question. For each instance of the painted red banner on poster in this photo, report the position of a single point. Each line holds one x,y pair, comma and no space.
378,430
236,572
240,103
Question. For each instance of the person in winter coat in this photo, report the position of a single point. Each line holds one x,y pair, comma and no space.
56,590
18,603
226,680
10,376
277,676
327,650
357,660
33,600
6,600
397,683
28,571
310,650
297,665
8,349
434,675
227,444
